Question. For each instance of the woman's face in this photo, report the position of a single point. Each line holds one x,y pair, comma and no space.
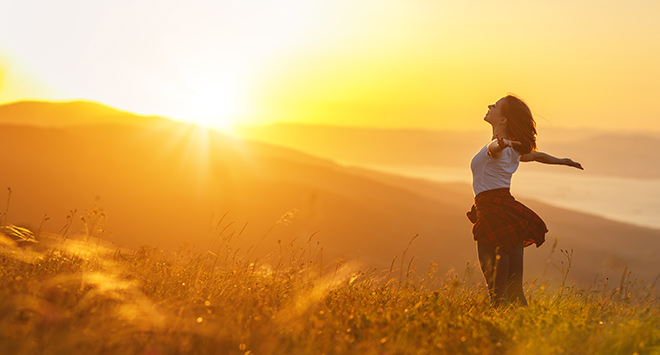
494,115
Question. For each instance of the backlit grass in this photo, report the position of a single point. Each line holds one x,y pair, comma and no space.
75,296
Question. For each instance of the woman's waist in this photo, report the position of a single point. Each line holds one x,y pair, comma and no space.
498,195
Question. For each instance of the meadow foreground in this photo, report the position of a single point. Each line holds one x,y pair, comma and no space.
76,296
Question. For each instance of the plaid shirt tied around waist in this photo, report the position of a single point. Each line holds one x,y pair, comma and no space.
501,221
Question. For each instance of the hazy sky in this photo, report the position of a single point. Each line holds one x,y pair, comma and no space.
400,63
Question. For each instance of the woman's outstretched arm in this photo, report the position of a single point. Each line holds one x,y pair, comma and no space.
549,159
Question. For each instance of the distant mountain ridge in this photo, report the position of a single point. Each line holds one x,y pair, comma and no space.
622,154
69,113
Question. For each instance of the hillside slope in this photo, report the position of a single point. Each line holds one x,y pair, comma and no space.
60,114
170,184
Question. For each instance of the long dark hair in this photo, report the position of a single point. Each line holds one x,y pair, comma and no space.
520,123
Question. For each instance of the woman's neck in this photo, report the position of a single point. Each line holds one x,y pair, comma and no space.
500,130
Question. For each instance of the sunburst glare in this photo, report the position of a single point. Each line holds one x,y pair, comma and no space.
210,99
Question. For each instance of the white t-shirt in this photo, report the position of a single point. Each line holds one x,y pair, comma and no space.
490,173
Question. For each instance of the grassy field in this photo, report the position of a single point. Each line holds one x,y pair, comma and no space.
72,296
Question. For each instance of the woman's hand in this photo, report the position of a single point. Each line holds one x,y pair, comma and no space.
495,148
503,143
572,163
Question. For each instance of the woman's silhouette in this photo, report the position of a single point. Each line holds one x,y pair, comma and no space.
502,225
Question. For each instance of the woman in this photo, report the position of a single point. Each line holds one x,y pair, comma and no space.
502,225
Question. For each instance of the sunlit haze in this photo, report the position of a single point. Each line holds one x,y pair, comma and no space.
317,176
384,63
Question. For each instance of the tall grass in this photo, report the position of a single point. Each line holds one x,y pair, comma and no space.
77,296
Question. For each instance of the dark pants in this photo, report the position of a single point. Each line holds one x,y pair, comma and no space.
503,273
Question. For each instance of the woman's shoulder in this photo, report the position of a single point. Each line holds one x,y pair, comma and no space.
510,156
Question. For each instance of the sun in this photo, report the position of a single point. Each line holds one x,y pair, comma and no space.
215,98
214,108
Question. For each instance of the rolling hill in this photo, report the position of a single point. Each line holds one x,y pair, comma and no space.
169,184
62,114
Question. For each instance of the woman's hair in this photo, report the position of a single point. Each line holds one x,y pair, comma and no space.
520,123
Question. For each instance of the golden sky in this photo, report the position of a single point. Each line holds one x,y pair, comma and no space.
385,63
